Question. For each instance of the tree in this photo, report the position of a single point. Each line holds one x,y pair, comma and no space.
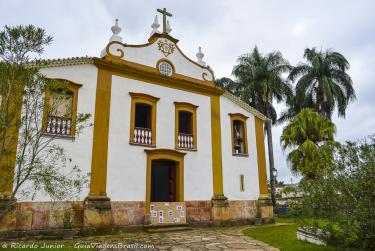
345,195
310,138
259,82
41,165
324,82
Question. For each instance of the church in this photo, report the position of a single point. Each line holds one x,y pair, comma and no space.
167,146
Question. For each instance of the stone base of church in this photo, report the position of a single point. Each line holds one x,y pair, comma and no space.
49,218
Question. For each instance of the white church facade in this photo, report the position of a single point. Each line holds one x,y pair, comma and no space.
164,138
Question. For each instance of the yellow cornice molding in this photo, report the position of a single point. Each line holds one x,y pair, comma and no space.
156,36
144,96
152,75
165,151
71,83
186,104
238,115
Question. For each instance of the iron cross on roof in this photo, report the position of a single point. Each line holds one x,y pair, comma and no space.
165,14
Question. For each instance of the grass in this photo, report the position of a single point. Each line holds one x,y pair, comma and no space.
285,237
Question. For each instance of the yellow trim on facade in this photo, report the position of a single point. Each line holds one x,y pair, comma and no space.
243,119
156,36
165,154
141,98
261,157
8,160
217,168
242,183
98,183
187,107
151,75
73,88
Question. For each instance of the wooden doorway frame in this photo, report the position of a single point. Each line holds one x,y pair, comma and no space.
165,154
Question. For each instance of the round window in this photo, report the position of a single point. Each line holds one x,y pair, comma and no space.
165,68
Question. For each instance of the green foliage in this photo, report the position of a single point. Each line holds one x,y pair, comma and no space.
41,164
294,208
284,237
346,195
322,83
310,138
259,81
17,43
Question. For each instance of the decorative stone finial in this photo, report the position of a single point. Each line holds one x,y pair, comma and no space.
168,29
155,25
200,56
116,29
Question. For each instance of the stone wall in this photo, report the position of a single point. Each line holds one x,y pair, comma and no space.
40,218
36,218
244,211
128,213
198,212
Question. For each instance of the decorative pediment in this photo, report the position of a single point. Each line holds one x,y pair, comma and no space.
160,47
166,47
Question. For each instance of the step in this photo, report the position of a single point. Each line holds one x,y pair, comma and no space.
167,228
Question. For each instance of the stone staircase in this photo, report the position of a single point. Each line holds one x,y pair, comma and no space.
167,228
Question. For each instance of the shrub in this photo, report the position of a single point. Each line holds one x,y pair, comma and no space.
345,196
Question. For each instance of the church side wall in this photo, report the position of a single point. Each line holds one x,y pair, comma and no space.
126,173
234,166
79,149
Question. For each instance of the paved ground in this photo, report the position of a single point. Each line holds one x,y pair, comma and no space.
230,238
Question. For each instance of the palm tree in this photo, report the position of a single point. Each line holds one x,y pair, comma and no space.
294,105
259,82
323,80
310,136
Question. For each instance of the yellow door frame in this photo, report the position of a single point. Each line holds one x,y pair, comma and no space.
165,154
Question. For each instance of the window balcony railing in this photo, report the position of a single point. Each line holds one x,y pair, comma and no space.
59,125
142,136
185,140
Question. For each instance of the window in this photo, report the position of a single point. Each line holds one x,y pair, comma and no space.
239,134
242,183
61,110
165,69
143,119
186,126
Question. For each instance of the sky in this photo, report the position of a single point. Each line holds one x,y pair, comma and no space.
225,30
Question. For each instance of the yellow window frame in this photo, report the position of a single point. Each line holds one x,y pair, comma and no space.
73,89
242,118
186,107
142,98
